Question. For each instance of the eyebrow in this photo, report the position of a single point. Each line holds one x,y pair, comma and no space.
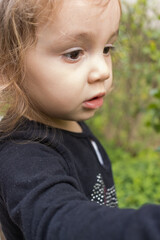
86,36
114,35
80,36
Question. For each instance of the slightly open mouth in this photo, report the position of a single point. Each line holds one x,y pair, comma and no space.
93,98
94,103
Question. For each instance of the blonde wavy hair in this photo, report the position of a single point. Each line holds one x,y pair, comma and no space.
19,20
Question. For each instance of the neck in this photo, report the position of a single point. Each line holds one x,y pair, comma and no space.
72,126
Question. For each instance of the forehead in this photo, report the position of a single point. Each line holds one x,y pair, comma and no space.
84,14
88,7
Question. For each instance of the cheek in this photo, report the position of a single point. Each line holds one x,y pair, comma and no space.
108,82
109,64
108,85
46,76
41,76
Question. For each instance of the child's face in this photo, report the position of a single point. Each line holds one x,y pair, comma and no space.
70,65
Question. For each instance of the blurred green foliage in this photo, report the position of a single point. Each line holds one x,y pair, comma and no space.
128,125
154,107
136,178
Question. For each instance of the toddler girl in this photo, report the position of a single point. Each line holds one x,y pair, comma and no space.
55,177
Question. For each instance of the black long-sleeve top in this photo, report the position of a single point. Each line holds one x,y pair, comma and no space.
58,185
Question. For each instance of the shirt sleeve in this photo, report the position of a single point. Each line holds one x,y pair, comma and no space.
45,202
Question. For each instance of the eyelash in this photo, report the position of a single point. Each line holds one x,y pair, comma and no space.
77,53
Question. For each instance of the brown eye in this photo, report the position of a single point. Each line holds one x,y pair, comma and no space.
107,49
74,55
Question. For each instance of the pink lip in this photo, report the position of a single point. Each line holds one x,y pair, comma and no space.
94,102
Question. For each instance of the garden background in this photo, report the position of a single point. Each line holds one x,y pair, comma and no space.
128,125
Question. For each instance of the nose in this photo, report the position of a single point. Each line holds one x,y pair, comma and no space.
99,69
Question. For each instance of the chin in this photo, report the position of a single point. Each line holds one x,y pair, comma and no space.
87,115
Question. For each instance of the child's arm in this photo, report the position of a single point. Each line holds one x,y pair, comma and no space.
45,202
